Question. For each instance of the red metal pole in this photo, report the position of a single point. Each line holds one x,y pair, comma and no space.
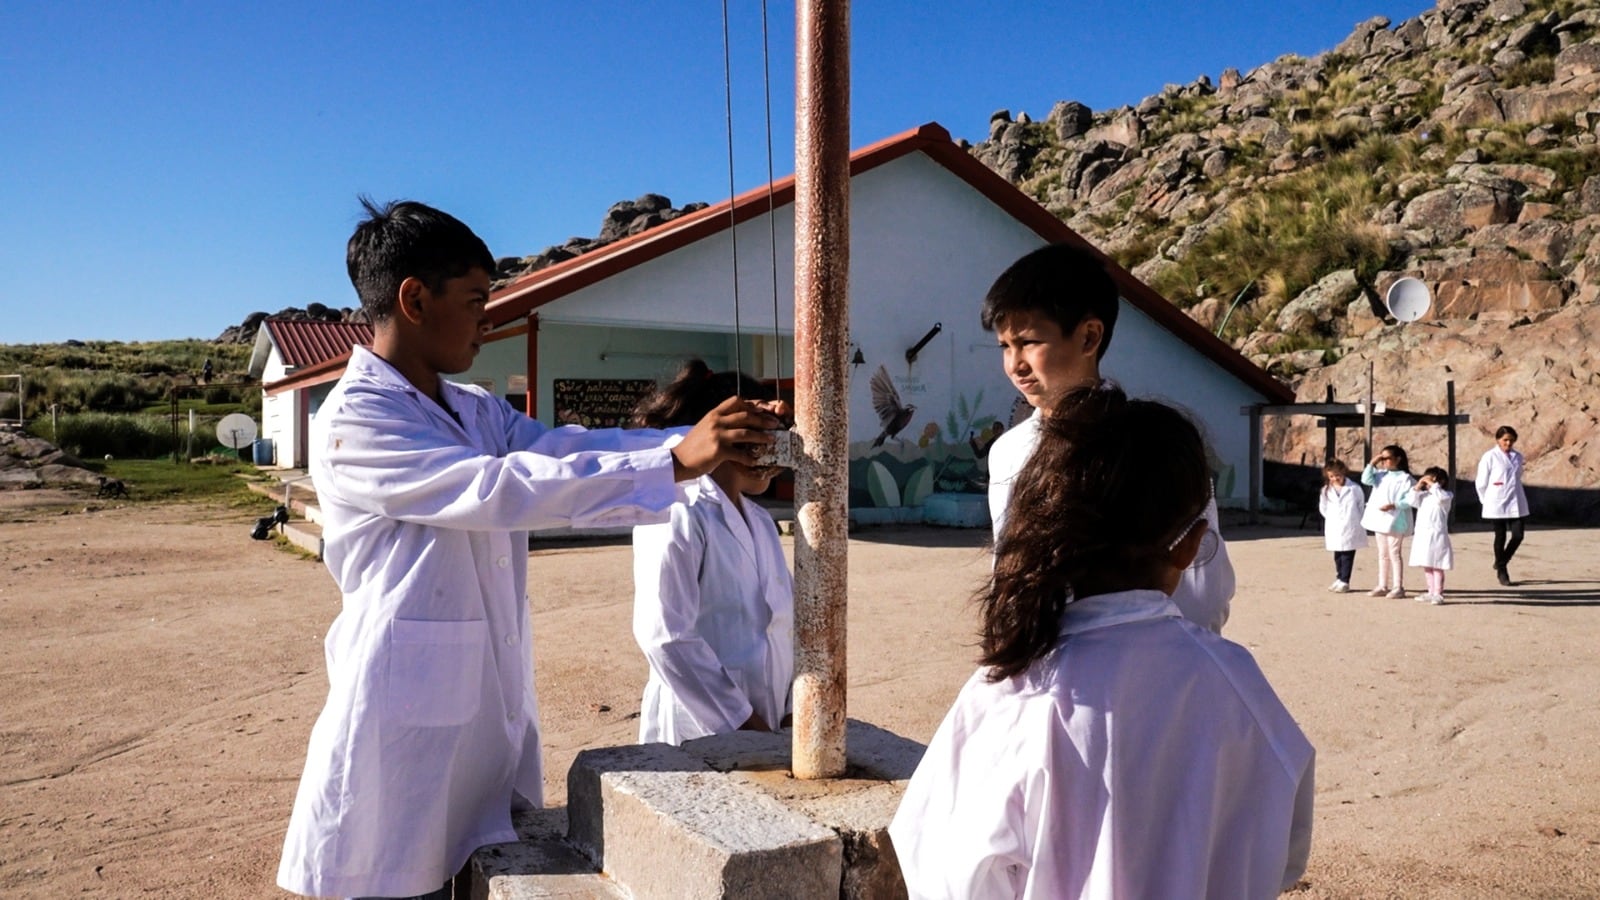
822,319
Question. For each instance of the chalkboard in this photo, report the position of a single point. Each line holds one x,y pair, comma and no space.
598,402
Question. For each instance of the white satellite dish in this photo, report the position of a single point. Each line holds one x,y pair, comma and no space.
1408,299
236,431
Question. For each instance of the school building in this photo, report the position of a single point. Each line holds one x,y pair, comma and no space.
930,229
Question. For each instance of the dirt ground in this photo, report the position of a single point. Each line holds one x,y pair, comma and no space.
161,672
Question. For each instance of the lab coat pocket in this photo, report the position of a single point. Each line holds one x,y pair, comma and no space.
435,675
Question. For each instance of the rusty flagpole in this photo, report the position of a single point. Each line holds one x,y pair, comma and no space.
822,318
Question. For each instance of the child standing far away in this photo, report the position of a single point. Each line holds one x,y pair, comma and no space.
1341,506
1108,746
1054,311
713,606
1387,516
1505,503
430,733
1430,548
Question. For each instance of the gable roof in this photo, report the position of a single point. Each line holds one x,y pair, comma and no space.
307,342
526,294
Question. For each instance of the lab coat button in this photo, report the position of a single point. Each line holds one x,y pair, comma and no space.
502,562
511,640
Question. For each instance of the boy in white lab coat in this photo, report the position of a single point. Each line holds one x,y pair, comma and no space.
1107,747
430,733
1054,311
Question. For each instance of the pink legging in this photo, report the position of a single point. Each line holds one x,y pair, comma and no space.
1391,570
1435,581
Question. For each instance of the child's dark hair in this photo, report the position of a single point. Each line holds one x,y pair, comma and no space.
1440,476
1112,483
695,391
1504,430
1061,282
405,239
1397,456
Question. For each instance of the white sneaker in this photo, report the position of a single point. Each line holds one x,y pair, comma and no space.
1436,599
1397,594
1340,587
1337,584
1378,591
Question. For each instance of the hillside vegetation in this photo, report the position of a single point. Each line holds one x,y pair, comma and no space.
1276,206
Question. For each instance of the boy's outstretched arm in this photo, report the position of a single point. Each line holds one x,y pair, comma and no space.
736,430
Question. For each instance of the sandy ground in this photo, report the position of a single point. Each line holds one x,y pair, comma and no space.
161,672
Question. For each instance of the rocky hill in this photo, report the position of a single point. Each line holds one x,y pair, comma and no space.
1461,147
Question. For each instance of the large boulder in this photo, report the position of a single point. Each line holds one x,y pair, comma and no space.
1321,307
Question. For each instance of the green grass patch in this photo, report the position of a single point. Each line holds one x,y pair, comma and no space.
163,481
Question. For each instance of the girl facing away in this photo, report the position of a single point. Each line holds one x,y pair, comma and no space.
1341,506
713,606
1387,516
1505,502
1106,746
1430,548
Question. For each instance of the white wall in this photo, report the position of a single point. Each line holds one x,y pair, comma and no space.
278,421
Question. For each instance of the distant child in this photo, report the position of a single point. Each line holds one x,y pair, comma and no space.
1108,746
1341,505
1387,516
1505,502
1054,312
430,733
1430,549
713,606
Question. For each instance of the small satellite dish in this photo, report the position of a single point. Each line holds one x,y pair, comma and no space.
236,431
1408,299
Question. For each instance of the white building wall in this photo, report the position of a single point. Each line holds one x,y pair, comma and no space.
278,421
925,246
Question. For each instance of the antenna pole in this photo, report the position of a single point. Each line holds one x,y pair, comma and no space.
822,317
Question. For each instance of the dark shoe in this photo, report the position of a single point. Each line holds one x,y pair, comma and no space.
1503,576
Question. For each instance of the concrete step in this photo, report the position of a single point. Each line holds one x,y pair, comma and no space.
305,535
663,823
540,866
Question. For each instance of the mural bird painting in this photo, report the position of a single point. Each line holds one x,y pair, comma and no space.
893,416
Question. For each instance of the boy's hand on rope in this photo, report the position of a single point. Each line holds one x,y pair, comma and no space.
736,430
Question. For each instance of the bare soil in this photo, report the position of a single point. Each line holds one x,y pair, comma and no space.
161,672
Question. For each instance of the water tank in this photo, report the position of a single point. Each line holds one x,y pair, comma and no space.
262,450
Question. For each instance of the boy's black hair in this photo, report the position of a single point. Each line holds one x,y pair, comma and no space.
1440,476
1061,282
406,239
1504,430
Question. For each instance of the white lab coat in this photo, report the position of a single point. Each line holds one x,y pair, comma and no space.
1142,757
1499,484
713,611
1388,489
1341,508
431,727
1205,594
1431,546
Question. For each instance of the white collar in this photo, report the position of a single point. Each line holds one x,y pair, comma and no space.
1105,610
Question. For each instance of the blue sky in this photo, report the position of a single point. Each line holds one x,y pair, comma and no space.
169,167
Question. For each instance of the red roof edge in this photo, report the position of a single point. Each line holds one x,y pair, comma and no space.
528,293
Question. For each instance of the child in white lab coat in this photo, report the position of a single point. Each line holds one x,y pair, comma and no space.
1387,516
713,606
1107,746
1430,547
430,732
1505,502
1341,505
